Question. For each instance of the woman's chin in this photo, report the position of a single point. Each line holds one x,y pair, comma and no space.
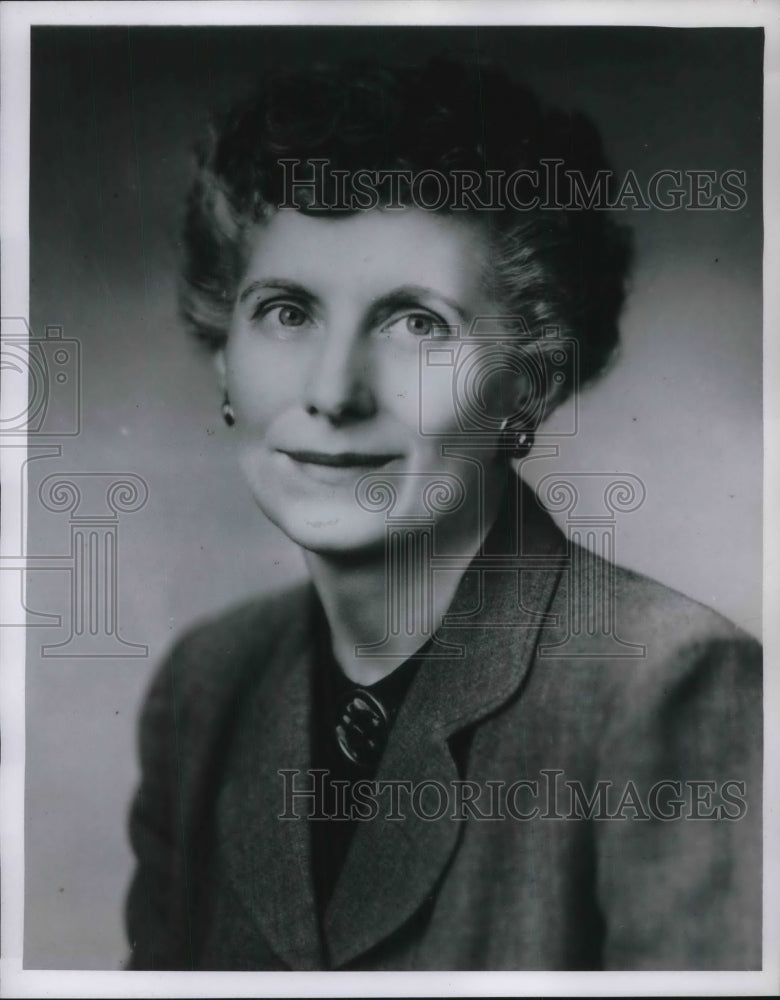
330,528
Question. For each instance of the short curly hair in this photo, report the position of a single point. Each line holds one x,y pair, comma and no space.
552,267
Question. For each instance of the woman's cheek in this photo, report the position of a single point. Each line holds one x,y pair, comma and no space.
263,384
259,404
425,400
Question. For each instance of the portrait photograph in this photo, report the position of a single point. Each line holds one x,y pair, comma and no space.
387,433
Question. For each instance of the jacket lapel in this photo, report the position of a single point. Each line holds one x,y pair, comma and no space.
269,861
502,602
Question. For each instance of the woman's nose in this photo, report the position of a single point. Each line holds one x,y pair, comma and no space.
339,381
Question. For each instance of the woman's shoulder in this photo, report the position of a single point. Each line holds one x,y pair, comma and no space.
597,597
207,666
658,643
251,625
645,638
658,610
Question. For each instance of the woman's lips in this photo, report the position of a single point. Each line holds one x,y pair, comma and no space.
335,469
342,460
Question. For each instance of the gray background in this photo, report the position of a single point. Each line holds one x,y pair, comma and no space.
114,114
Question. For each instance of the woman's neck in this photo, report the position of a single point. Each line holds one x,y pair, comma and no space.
356,598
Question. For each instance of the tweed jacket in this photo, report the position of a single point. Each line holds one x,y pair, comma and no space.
617,722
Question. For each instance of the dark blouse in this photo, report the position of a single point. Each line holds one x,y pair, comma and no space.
350,728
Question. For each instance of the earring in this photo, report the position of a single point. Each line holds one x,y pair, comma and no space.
518,443
523,443
227,412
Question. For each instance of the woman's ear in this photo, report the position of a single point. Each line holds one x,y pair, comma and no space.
536,395
524,403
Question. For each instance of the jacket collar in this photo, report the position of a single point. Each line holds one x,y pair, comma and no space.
392,866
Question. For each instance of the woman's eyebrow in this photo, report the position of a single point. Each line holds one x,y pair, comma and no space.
278,284
410,295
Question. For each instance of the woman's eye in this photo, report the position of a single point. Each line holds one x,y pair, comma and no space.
420,324
291,316
280,319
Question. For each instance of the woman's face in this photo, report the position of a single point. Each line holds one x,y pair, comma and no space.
326,374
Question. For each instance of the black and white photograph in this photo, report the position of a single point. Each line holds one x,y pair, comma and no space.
387,434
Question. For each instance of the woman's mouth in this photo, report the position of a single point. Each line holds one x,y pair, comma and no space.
343,459
336,468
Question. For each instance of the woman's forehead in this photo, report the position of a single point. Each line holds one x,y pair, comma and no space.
369,250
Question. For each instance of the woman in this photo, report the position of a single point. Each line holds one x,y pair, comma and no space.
468,743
